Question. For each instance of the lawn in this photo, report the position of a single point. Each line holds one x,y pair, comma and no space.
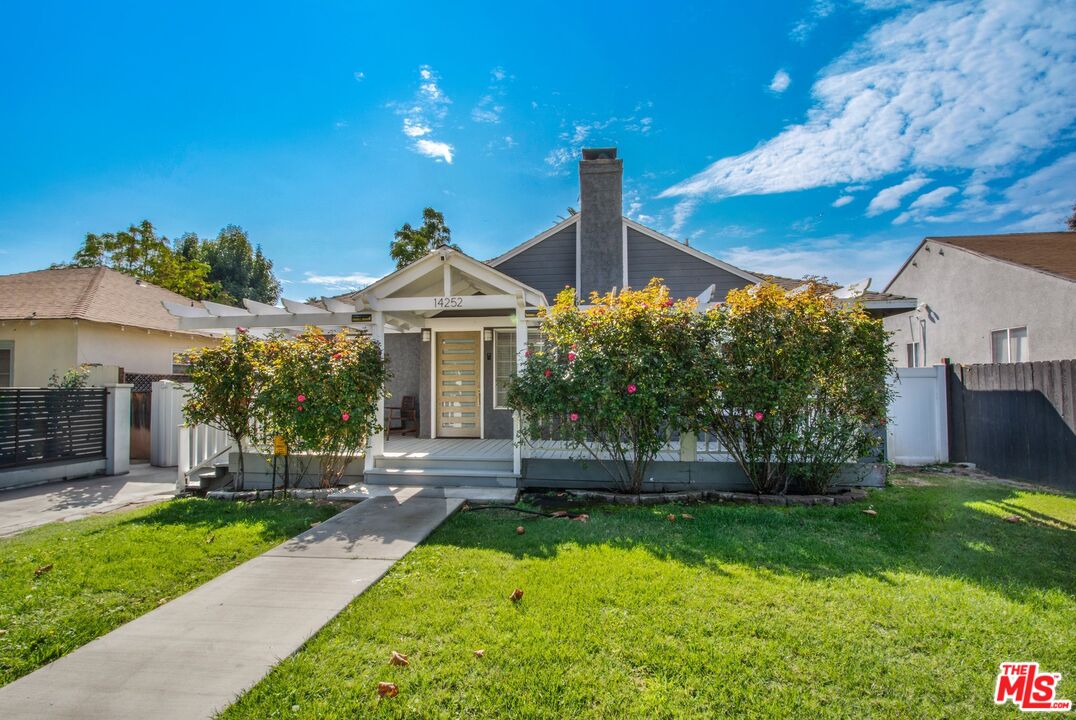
110,569
743,611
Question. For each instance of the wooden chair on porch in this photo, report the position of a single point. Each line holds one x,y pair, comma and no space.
406,414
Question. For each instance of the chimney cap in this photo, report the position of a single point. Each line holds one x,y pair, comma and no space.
606,153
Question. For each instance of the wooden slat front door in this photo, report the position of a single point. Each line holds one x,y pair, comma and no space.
459,384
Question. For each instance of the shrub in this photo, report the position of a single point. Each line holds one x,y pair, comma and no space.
613,378
225,380
321,396
798,384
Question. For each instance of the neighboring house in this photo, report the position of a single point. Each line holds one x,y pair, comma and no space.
453,326
54,320
987,299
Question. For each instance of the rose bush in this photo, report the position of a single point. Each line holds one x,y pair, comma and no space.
613,378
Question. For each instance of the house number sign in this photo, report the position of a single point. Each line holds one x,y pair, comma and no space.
448,302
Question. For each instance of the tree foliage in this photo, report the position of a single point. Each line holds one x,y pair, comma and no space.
613,378
138,251
1070,223
411,244
237,269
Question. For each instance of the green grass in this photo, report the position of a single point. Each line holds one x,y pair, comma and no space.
744,611
110,569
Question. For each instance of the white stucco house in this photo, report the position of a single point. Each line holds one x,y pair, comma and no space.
987,299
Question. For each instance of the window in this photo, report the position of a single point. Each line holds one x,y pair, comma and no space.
181,364
913,355
1009,345
7,362
504,362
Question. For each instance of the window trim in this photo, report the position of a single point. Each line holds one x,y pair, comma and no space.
9,345
493,381
1008,345
912,354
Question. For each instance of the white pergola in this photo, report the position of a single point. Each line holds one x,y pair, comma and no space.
429,292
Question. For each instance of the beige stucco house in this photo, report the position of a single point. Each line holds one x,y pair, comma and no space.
987,299
54,320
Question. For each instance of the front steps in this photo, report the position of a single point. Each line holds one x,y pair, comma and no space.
432,471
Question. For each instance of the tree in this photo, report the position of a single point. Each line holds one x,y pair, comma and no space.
240,270
412,244
1071,222
138,251
613,379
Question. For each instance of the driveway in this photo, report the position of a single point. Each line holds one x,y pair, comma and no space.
72,499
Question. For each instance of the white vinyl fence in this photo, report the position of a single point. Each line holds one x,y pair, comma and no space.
917,433
172,442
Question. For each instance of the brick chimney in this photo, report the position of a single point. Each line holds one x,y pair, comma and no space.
601,238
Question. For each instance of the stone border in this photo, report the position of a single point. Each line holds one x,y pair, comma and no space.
293,493
842,497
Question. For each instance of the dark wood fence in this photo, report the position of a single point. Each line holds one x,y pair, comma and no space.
1015,420
46,425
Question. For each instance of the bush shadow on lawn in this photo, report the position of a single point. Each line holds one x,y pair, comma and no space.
955,529
272,522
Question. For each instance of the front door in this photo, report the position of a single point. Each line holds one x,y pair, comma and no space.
459,383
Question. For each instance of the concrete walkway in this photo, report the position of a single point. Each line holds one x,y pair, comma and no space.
25,508
191,657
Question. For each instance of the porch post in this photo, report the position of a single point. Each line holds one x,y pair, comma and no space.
376,445
521,360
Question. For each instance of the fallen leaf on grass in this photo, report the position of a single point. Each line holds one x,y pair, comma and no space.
208,539
520,530
670,517
162,601
3,632
516,595
42,570
560,514
398,659
870,511
583,517
387,689
479,653
315,524
1014,519
686,516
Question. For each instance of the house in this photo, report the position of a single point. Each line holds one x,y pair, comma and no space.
453,327
54,320
987,299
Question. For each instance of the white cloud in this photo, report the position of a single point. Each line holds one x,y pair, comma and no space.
595,133
424,114
558,158
840,258
842,201
498,74
360,76
435,149
960,85
922,206
780,82
891,197
338,283
681,213
1046,197
487,110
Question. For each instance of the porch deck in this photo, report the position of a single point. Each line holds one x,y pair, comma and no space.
501,449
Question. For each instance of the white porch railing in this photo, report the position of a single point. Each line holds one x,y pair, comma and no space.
199,445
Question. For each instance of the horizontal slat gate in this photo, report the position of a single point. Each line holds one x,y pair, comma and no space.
49,425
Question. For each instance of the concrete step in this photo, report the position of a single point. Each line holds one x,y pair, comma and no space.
453,463
440,477
466,492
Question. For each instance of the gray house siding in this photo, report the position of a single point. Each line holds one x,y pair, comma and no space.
497,423
686,275
404,356
547,266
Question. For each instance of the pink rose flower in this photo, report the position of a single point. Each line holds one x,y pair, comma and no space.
548,372
526,353
240,330
301,398
300,408
345,417
668,303
573,416
337,356
632,388
759,415
571,357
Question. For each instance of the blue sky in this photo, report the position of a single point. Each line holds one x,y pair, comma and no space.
815,137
